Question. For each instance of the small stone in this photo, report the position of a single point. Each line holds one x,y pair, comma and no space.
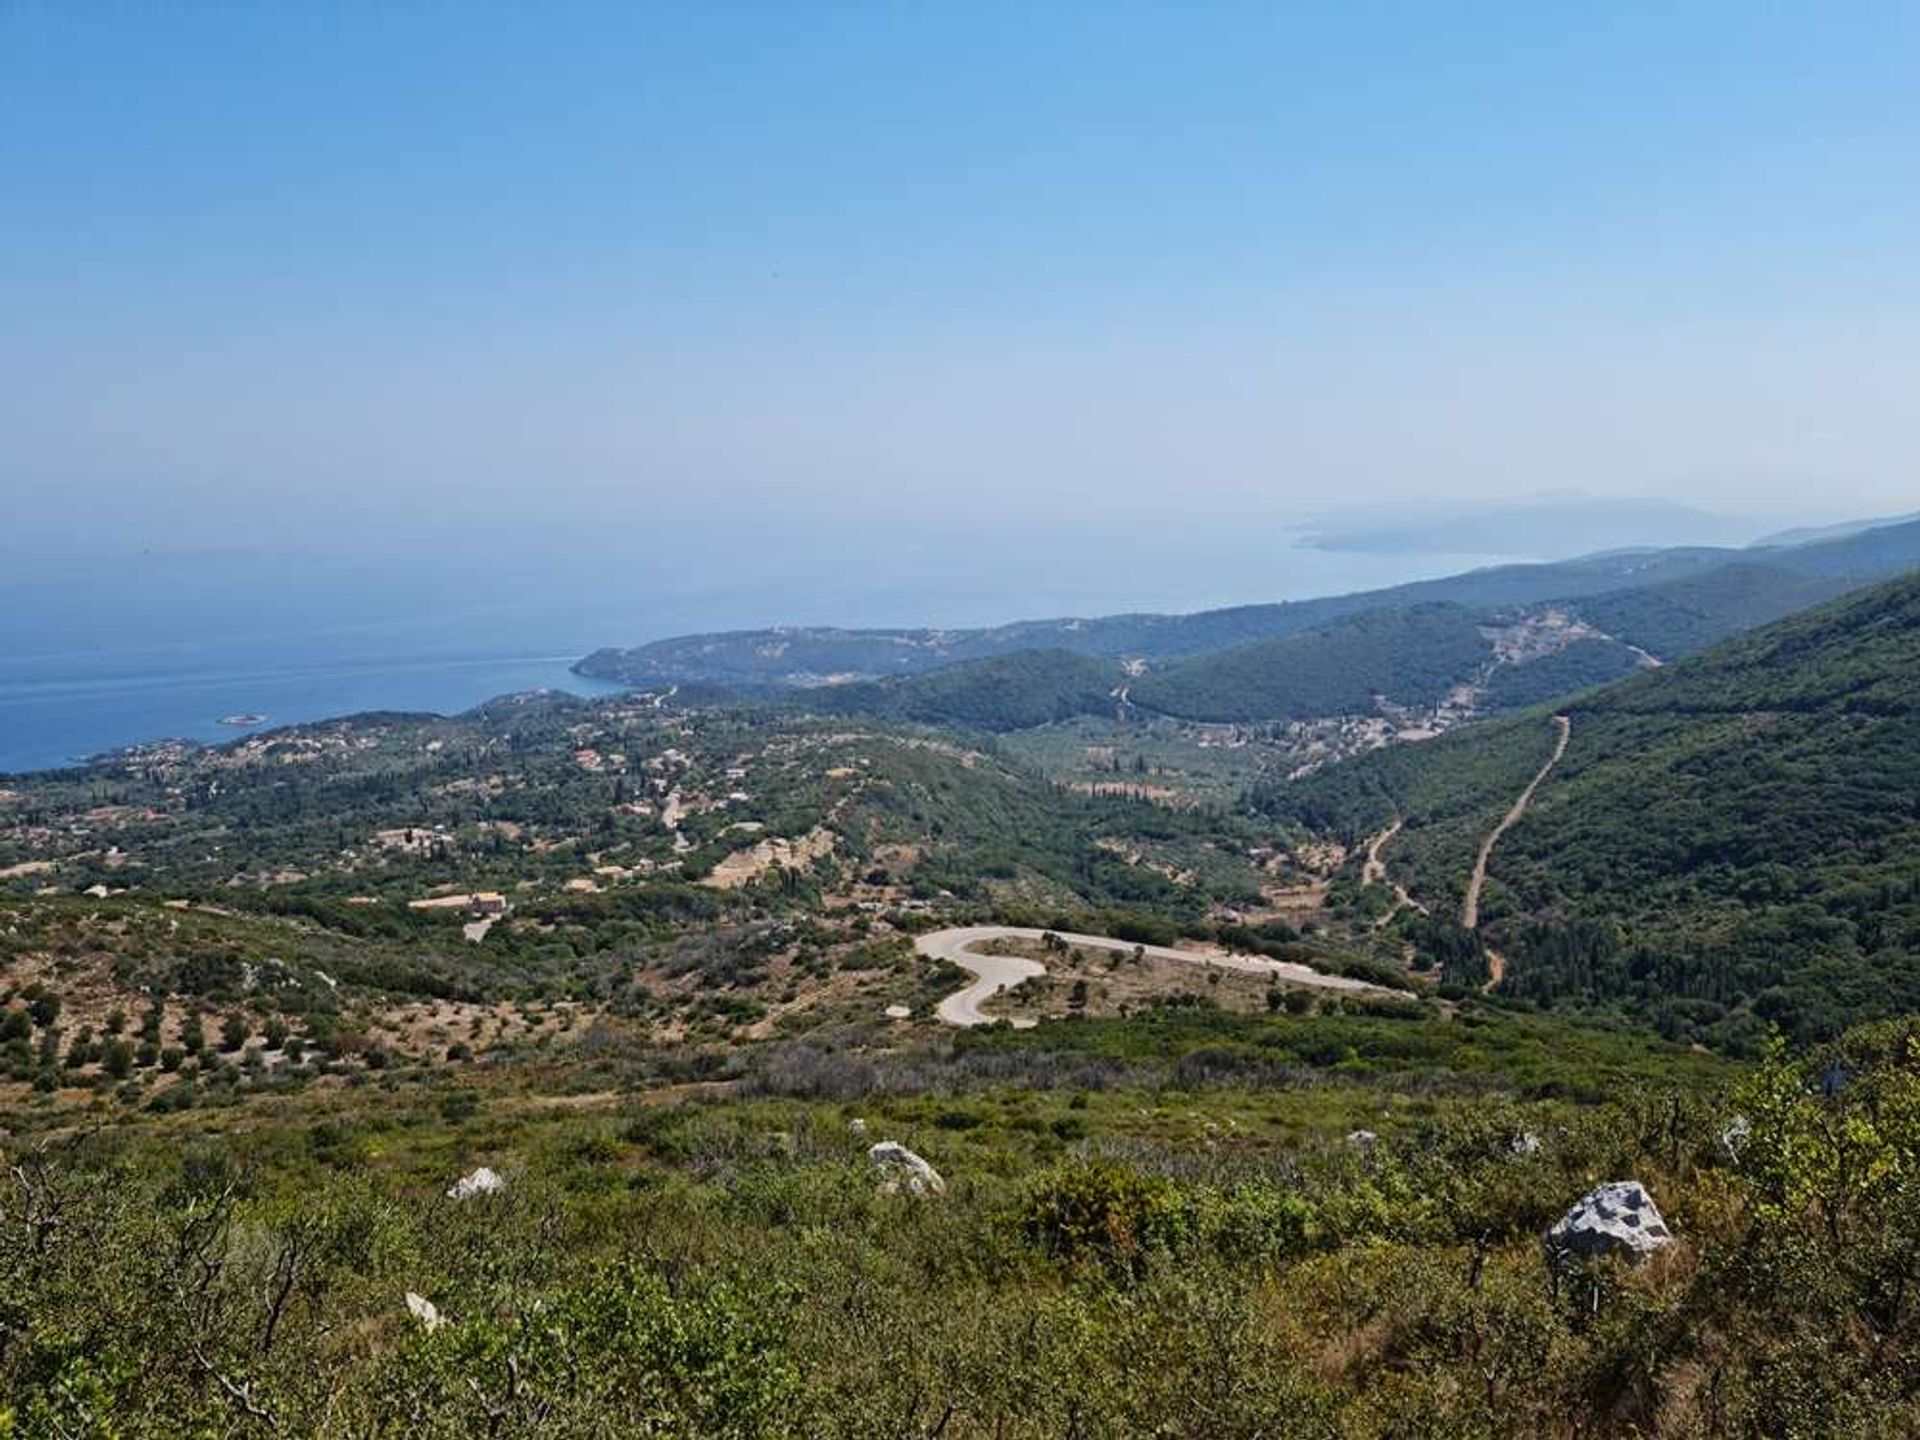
1525,1143
899,1012
1363,1139
481,1182
425,1311
904,1172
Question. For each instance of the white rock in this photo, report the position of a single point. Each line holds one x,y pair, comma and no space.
905,1172
1363,1139
1617,1219
857,1126
425,1311
481,1182
899,1012
1525,1143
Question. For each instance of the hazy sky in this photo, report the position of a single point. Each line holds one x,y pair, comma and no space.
344,277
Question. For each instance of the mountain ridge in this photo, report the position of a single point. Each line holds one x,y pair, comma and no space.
806,656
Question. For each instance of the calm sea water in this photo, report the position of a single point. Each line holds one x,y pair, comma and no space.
102,655
47,723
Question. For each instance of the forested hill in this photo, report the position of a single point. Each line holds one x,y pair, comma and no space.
1677,617
1410,656
1730,843
1002,692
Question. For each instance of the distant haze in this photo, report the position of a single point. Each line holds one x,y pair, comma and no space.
752,313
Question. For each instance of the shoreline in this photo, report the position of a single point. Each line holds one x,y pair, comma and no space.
72,724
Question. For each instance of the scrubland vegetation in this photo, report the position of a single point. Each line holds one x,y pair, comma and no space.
1183,1258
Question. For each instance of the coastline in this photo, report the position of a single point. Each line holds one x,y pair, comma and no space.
57,725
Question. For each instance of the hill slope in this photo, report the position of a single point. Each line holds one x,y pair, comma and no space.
1678,617
1407,656
1002,692
1730,843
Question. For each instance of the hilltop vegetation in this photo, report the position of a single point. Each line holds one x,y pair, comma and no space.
1208,1259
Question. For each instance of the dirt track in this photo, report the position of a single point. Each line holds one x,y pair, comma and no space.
1374,872
1470,907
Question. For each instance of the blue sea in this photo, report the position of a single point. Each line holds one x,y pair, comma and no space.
52,722
100,653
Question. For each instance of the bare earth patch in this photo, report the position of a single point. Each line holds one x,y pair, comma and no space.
743,867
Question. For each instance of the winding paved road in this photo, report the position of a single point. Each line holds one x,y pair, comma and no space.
994,973
1470,907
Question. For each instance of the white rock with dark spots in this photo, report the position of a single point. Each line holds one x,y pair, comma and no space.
1617,1219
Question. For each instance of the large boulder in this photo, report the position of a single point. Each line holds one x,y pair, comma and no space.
903,1172
1617,1219
480,1182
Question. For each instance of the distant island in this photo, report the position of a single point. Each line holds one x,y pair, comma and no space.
1536,527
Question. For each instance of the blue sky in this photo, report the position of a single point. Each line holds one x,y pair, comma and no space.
345,276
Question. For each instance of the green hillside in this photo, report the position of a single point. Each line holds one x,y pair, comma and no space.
1682,616
1005,692
1730,843
1408,656
1580,666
